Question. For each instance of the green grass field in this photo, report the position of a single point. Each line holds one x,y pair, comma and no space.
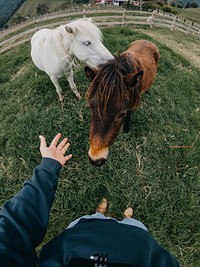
162,183
189,13
29,7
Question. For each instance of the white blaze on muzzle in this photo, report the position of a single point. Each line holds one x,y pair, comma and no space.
96,154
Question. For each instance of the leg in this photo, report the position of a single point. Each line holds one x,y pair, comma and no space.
126,127
99,213
58,88
72,85
128,219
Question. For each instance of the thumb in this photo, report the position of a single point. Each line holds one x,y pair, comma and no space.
42,142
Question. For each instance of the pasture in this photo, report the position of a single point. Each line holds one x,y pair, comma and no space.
154,168
189,13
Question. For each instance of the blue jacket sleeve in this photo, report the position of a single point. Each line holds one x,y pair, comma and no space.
24,218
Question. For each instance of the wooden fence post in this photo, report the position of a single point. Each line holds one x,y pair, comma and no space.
123,17
152,21
173,23
189,26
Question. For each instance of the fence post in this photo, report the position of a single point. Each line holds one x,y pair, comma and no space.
189,26
152,21
123,17
173,23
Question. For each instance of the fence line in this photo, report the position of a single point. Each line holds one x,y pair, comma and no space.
113,17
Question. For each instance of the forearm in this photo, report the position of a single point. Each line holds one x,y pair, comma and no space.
24,218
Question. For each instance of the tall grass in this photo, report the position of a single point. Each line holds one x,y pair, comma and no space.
144,169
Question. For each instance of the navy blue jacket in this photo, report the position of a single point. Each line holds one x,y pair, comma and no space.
24,219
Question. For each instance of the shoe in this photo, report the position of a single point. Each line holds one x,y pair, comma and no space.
102,207
128,213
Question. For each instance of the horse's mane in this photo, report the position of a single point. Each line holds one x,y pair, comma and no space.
84,26
110,80
87,27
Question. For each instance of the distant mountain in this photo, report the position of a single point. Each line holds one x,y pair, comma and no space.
7,9
185,2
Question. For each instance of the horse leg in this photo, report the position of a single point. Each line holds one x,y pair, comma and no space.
72,84
126,127
58,88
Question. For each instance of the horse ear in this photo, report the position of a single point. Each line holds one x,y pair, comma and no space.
69,29
90,73
133,80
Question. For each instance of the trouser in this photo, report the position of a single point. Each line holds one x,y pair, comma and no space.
97,215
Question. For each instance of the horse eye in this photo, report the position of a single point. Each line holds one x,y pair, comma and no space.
87,43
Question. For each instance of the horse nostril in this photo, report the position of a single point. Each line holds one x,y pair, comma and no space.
98,162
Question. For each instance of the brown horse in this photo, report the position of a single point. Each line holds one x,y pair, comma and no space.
115,91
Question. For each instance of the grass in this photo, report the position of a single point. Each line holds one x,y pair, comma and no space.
161,183
189,13
29,8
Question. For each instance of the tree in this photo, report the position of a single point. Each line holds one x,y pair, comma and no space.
167,9
179,4
42,9
194,5
187,5
173,3
2,21
18,19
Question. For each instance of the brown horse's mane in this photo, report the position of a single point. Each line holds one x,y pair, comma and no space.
110,80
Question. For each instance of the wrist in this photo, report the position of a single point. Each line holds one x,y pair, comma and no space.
51,164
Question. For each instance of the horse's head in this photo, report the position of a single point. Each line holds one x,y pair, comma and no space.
87,43
114,90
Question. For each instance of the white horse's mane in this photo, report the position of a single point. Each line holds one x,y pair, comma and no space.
86,26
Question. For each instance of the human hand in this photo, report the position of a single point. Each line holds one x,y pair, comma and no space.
55,151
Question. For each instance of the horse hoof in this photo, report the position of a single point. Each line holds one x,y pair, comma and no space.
61,98
78,96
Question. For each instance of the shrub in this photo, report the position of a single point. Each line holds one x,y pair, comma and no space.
194,5
150,6
167,8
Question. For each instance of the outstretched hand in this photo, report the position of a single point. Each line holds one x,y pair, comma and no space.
55,151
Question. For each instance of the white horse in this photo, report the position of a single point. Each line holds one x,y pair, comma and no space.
53,51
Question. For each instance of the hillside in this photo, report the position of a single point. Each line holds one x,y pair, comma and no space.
189,13
29,7
8,8
184,1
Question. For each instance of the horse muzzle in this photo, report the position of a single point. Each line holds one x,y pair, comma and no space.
97,162
97,157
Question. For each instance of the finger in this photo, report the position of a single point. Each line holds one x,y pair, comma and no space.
42,142
68,157
65,148
62,144
55,140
